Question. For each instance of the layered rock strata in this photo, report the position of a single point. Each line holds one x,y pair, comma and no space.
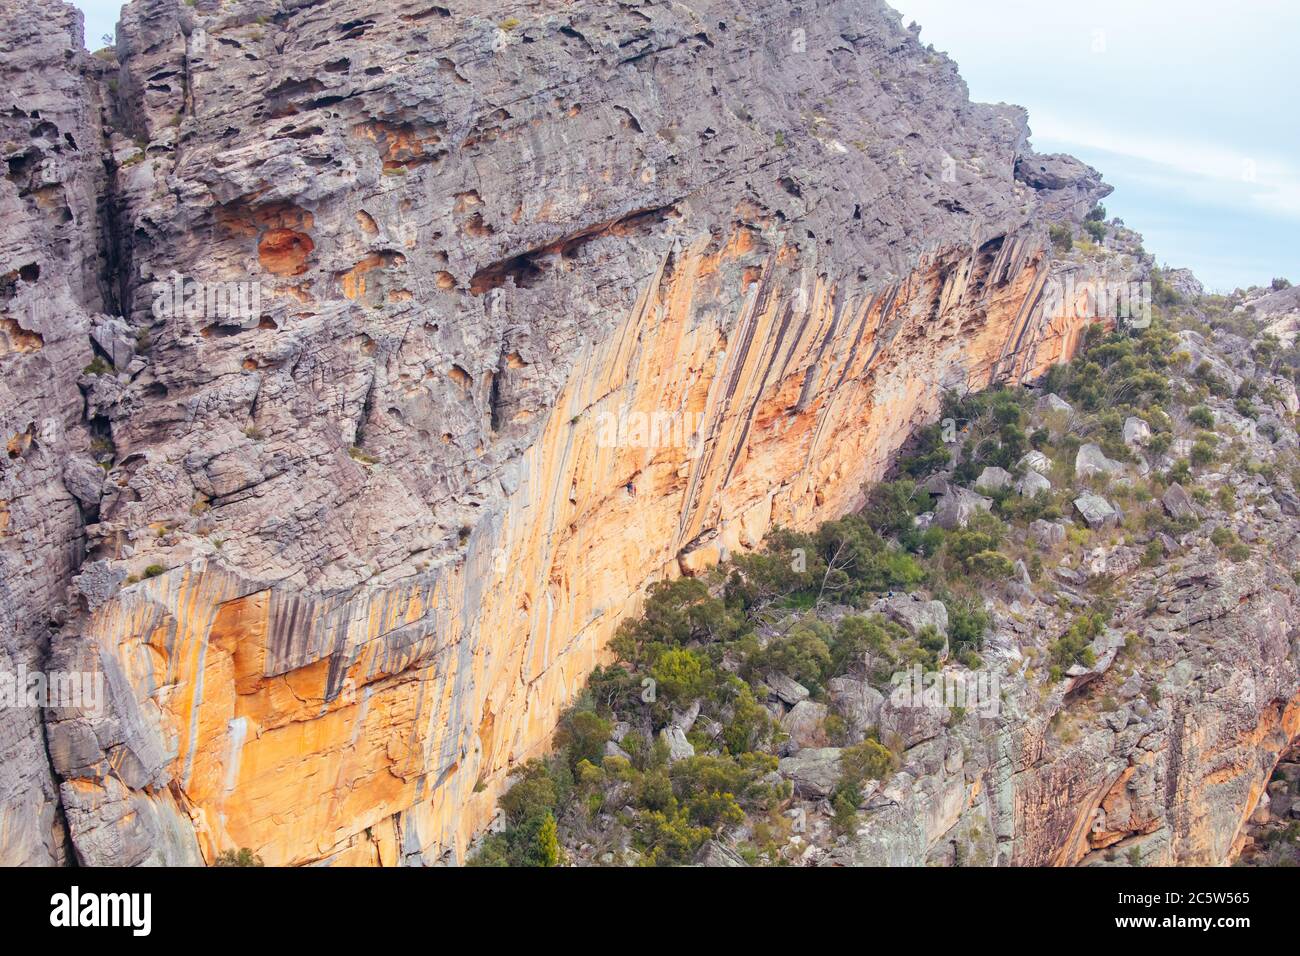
526,311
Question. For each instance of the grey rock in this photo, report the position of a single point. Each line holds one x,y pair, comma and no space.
804,724
714,853
815,771
1091,461
786,688
1046,534
1036,461
857,702
1097,511
1031,484
685,720
1178,503
993,478
679,748
614,750
913,612
1136,432
1054,403
956,508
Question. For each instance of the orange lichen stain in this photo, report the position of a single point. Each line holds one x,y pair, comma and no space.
14,338
18,444
401,145
460,377
353,282
4,517
464,202
366,222
445,280
514,360
284,252
743,241
476,227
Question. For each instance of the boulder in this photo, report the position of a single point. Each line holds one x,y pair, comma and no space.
1031,484
1036,461
936,484
685,719
910,722
1136,432
993,478
1054,403
804,725
1097,511
857,702
1091,460
1183,283
956,508
1022,574
815,771
786,688
1178,503
84,479
614,750
115,337
679,748
1194,344
714,853
913,612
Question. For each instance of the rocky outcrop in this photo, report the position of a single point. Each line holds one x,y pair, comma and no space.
1159,761
53,262
524,313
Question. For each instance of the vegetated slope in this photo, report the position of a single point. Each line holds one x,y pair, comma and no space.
1113,551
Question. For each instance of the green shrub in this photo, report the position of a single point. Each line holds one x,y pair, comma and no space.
241,857
1075,645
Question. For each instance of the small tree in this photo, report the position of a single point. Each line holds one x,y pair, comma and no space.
548,842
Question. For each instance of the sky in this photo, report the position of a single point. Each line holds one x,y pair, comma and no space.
1187,107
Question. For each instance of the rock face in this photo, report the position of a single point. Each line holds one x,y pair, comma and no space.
1162,770
501,322
52,295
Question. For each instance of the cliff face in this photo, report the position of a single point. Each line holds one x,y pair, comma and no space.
342,556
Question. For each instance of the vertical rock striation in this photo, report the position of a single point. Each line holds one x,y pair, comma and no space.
52,300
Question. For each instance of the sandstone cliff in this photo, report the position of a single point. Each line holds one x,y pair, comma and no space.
1096,663
342,559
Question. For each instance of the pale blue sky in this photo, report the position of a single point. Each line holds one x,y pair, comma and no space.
1187,107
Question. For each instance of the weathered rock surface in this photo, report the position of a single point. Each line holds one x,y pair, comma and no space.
1096,511
1168,774
53,289
958,506
1092,461
354,549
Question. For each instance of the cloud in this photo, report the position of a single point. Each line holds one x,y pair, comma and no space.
1207,171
